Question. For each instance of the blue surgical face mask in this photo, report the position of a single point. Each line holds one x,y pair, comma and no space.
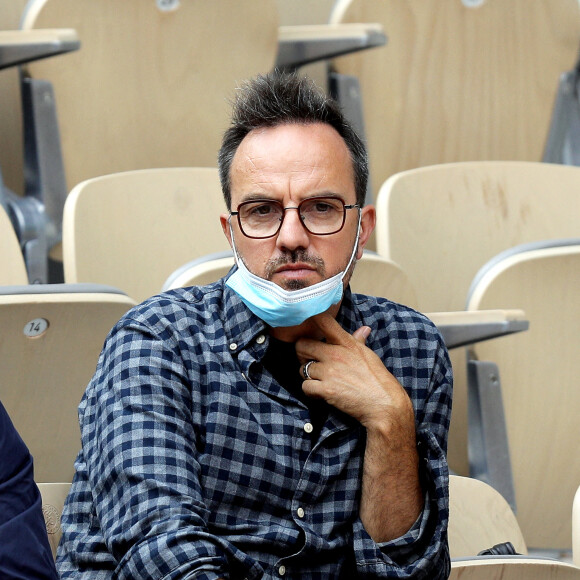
279,307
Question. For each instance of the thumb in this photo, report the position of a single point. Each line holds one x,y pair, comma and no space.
361,334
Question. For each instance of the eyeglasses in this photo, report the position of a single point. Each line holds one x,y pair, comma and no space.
320,216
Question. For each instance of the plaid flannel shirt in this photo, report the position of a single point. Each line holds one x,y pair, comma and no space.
196,463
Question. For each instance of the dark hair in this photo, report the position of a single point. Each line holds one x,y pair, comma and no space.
280,98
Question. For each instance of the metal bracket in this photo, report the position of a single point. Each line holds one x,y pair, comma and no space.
563,141
345,89
43,162
488,448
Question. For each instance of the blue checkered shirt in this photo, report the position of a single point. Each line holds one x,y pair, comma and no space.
196,463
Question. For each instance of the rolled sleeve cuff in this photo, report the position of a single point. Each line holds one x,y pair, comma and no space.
423,551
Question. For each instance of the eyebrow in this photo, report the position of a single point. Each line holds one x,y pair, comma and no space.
264,197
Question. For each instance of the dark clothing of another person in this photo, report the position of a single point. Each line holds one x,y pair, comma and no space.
24,549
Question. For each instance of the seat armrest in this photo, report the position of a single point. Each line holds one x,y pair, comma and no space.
21,46
300,45
462,328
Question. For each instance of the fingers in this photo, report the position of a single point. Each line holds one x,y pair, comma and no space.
335,334
332,331
361,334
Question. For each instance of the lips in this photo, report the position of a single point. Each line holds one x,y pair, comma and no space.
294,266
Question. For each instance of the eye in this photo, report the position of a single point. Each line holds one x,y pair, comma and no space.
321,207
263,209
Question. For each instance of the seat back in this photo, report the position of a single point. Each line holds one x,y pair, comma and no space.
53,497
150,84
49,345
201,271
442,223
459,80
479,518
539,381
512,568
13,270
376,275
132,229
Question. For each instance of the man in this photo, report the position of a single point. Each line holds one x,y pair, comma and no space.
24,549
272,424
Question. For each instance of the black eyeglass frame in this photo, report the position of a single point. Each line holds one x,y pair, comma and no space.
284,209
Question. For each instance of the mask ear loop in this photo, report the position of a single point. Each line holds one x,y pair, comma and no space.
236,255
355,247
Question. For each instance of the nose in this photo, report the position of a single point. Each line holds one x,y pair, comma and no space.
292,234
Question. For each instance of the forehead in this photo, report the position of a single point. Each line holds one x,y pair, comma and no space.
292,161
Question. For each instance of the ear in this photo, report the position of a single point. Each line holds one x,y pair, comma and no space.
226,227
367,225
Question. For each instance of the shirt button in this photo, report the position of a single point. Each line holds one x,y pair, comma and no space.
233,346
300,512
282,570
308,427
261,339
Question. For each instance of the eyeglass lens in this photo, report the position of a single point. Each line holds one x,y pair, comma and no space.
263,218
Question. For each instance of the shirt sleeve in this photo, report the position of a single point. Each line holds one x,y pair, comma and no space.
139,445
423,551
24,548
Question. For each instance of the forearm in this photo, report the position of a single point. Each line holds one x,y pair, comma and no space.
392,498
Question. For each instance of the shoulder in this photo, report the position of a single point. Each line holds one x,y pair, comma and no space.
199,306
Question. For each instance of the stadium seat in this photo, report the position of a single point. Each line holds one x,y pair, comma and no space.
480,518
539,384
49,345
36,220
132,229
512,568
460,80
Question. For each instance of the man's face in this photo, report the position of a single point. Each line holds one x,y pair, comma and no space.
291,163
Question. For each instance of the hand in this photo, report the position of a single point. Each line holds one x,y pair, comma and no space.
351,377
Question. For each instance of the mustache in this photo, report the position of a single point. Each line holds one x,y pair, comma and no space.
292,258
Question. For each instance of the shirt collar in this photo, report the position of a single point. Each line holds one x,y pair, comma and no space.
241,325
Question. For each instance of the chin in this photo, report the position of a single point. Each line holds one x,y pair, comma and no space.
294,284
